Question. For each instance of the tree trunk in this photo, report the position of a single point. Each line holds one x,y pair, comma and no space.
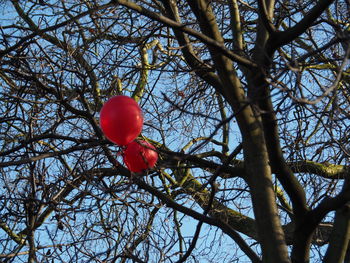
270,231
339,240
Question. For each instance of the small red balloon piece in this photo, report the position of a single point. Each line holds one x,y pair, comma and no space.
121,119
139,156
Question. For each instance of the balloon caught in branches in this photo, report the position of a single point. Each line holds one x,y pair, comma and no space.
140,155
121,120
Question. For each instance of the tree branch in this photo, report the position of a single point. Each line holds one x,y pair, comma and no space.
281,38
50,28
306,227
199,67
265,18
226,228
339,239
171,23
326,170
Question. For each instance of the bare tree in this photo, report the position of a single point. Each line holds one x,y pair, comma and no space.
247,103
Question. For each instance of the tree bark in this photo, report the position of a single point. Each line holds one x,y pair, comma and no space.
271,235
339,240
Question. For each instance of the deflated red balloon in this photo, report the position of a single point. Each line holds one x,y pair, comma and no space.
139,156
121,119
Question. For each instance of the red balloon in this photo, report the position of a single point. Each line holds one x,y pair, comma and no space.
121,119
139,156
